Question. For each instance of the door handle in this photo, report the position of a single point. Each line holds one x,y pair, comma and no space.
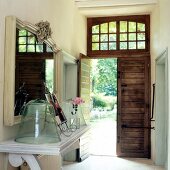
124,126
123,85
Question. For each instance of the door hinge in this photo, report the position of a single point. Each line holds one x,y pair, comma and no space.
118,139
118,74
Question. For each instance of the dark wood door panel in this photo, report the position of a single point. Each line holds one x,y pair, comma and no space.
129,75
131,133
32,73
129,92
132,116
133,104
135,123
130,69
133,111
133,81
128,98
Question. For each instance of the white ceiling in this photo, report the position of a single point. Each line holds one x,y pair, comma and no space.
92,8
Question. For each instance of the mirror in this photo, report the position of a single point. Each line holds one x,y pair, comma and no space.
34,69
30,54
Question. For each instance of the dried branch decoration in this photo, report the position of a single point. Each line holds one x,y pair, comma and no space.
44,31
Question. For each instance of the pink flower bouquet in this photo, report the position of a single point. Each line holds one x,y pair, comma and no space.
77,101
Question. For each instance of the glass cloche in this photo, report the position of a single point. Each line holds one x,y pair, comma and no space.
38,125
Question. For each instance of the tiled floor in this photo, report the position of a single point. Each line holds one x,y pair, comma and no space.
112,163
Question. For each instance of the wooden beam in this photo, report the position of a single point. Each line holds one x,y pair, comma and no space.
107,3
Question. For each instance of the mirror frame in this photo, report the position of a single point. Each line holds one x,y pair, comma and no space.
11,23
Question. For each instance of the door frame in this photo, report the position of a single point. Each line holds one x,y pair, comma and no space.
161,108
139,55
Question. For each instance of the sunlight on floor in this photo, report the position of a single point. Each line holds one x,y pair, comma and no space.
112,163
103,138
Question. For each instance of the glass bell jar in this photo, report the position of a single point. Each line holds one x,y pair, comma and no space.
74,115
38,125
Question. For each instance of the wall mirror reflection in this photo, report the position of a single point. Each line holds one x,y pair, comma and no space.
30,56
34,66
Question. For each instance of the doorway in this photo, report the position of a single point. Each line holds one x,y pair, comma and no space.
103,112
133,107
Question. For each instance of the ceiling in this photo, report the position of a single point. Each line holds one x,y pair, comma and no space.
93,8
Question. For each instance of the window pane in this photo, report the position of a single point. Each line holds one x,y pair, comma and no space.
141,36
123,26
141,45
141,27
39,48
95,29
104,28
30,34
49,49
22,32
123,45
132,45
31,40
112,27
39,43
22,40
103,46
132,26
95,38
132,36
112,37
95,46
112,46
22,48
123,37
49,74
30,48
104,37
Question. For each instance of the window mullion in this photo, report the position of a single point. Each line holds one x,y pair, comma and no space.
136,35
99,36
127,35
108,36
118,35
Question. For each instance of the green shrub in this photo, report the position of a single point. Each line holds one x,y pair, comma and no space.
102,101
98,102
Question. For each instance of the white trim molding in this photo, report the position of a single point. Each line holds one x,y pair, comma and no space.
109,3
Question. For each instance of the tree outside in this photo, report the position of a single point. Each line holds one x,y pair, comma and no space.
49,74
103,87
104,110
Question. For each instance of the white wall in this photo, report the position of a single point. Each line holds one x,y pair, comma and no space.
69,33
160,39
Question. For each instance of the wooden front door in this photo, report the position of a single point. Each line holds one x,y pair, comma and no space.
133,130
31,71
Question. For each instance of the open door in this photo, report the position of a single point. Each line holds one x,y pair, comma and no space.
84,92
133,130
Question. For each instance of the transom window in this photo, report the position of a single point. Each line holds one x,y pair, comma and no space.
26,42
115,34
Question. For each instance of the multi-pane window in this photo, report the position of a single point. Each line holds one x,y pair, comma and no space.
132,35
104,36
27,42
118,34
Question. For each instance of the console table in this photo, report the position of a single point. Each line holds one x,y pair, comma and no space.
20,152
